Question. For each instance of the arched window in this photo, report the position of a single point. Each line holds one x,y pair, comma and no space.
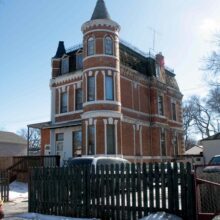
108,46
90,46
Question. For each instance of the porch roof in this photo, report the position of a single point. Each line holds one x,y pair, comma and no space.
49,124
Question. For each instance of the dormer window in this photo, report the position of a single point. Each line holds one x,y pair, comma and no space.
157,70
91,46
65,65
108,46
79,61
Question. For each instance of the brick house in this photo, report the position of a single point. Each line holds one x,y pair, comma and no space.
108,98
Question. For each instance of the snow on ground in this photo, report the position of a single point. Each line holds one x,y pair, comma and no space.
18,190
49,217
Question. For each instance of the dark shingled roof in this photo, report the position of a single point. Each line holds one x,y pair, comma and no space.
60,50
100,11
213,137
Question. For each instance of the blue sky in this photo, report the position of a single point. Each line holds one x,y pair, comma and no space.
30,31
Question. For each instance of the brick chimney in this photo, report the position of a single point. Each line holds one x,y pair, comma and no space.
160,59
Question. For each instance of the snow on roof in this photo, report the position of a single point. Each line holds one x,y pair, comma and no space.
10,137
196,150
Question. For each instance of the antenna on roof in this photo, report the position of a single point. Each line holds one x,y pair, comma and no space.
155,32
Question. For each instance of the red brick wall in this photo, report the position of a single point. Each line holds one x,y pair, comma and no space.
127,139
126,93
45,139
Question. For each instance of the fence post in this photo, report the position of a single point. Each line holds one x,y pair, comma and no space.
191,209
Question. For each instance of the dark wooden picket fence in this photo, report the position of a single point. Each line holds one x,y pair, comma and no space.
4,186
113,192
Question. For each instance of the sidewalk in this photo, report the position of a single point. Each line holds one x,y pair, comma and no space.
14,208
18,201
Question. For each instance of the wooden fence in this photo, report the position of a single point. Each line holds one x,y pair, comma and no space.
113,192
4,186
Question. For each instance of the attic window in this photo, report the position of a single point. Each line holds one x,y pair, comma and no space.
157,70
65,65
79,61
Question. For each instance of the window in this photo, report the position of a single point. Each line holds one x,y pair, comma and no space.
175,145
108,46
160,105
91,88
77,143
65,65
157,70
79,61
109,88
163,142
78,99
90,46
91,140
59,142
110,139
173,110
63,106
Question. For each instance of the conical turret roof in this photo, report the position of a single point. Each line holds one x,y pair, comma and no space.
100,11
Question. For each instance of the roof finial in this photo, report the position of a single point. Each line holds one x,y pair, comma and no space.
100,11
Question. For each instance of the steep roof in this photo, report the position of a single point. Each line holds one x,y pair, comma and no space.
60,50
100,11
9,137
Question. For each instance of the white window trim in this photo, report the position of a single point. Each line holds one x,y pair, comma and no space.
111,121
163,130
104,40
94,45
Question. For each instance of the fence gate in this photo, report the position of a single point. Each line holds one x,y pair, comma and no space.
207,192
4,186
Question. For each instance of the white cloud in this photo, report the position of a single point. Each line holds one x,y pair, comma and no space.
208,28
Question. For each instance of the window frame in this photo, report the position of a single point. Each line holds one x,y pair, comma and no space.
91,88
78,105
110,139
173,111
160,103
63,108
108,46
90,46
163,143
59,142
91,139
175,145
109,93
76,147
79,61
64,65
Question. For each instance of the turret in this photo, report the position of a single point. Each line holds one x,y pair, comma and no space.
101,78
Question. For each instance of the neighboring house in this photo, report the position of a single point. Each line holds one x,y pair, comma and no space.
109,98
195,150
12,144
194,155
211,147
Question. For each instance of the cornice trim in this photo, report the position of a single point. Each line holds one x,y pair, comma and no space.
101,113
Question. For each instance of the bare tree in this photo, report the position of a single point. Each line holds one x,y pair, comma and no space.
34,137
198,118
213,100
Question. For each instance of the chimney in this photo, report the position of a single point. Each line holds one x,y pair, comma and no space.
160,59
